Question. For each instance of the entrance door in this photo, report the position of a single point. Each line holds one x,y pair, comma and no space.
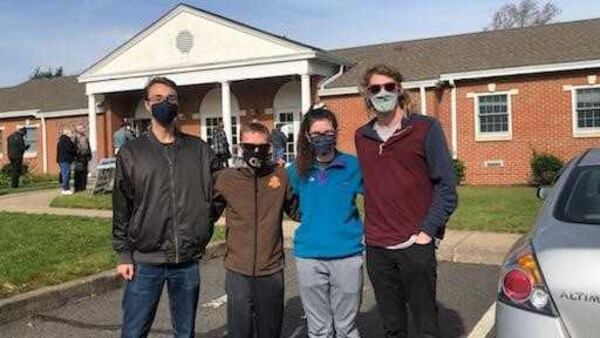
285,120
210,126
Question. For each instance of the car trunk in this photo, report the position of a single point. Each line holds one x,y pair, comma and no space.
568,255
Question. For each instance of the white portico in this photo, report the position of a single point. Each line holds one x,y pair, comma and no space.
210,57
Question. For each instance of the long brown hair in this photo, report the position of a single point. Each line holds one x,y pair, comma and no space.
305,156
389,71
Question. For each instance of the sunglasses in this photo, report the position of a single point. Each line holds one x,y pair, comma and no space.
252,147
388,87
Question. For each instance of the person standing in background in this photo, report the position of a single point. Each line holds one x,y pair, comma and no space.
66,151
279,143
83,157
16,151
220,146
122,136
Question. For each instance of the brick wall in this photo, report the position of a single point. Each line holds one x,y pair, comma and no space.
541,121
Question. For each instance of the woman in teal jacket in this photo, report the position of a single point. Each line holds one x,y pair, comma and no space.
328,244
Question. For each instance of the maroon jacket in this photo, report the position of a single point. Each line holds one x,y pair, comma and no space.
410,184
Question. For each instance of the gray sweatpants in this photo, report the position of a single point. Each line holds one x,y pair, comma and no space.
331,292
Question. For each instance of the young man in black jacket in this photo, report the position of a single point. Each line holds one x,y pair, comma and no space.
16,151
162,203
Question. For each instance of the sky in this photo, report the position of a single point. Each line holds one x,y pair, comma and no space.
76,33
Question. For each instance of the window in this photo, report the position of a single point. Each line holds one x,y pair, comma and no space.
31,139
286,121
493,114
579,201
211,124
1,142
587,108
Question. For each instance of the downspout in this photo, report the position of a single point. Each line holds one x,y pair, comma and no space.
332,78
453,119
44,145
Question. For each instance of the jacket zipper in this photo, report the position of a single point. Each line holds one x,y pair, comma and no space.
255,223
394,135
172,181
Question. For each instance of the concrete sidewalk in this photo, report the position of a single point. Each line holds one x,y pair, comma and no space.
38,202
458,246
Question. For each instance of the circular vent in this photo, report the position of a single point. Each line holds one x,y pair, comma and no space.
185,41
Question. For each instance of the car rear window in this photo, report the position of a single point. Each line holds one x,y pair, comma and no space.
579,201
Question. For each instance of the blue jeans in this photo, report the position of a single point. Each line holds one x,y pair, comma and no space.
65,175
142,295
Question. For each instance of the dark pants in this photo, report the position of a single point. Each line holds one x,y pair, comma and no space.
80,176
254,304
223,160
405,277
16,165
142,294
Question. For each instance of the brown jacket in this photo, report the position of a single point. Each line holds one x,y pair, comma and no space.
254,206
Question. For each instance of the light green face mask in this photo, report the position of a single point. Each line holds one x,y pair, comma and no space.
384,102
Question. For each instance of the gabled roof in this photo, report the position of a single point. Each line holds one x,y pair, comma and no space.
130,57
427,59
61,93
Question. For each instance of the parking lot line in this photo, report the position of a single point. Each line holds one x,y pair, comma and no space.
485,324
216,303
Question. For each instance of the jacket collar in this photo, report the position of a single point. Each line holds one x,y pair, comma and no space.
368,130
338,162
248,172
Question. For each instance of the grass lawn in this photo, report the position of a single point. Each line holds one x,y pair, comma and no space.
83,200
494,209
40,250
33,186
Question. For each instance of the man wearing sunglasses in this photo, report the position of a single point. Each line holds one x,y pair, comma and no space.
410,192
162,216
255,196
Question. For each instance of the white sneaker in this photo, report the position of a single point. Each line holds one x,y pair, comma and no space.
67,192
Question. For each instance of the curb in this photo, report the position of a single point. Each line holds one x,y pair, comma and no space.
52,297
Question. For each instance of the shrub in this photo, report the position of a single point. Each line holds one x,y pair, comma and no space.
459,169
544,168
5,176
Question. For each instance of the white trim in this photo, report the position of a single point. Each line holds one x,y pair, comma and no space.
454,120
63,113
203,67
219,75
305,93
355,90
2,148
19,113
544,68
497,136
423,98
44,146
580,132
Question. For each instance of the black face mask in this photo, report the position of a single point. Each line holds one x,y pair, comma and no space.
165,112
256,155
323,144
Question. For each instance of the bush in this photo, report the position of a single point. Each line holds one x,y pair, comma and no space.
459,169
544,168
5,176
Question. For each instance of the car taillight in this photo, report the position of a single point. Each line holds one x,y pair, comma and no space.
517,285
522,284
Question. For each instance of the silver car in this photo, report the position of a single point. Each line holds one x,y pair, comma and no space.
550,283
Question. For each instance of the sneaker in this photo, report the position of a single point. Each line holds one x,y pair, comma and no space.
67,192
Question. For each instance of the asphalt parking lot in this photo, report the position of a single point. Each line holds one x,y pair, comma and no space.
465,293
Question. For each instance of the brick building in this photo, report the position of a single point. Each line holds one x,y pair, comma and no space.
499,95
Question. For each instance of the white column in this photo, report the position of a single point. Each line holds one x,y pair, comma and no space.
305,92
93,131
226,109
44,146
423,100
454,120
